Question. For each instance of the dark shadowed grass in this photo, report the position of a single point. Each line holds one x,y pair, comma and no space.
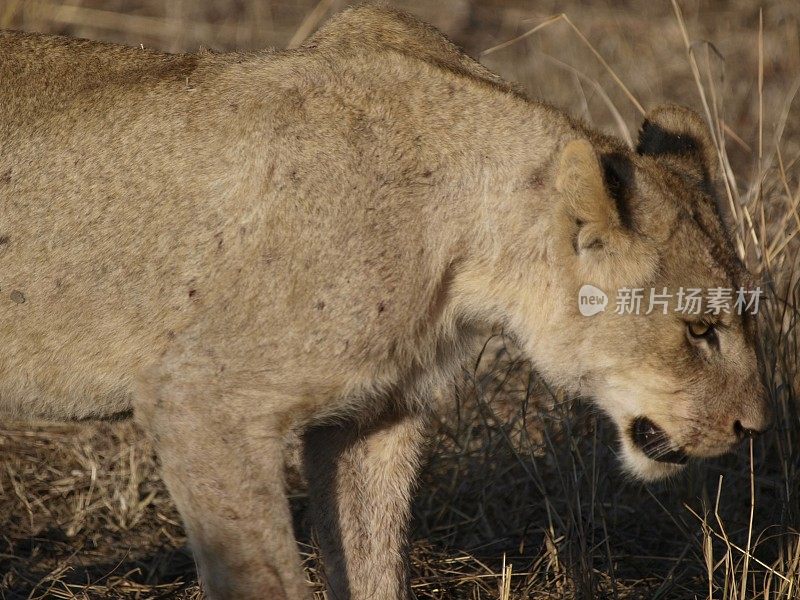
522,496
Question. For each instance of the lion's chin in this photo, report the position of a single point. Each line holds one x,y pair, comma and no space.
637,464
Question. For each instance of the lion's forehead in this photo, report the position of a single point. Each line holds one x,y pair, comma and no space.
700,248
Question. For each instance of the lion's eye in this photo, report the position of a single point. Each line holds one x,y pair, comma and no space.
700,329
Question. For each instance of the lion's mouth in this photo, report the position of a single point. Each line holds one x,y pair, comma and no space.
654,442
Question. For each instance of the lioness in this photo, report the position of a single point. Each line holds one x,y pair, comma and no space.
240,247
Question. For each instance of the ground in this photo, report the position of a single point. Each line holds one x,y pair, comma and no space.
522,496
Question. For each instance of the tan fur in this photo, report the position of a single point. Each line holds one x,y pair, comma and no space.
307,242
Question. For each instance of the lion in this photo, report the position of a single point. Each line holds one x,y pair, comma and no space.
240,248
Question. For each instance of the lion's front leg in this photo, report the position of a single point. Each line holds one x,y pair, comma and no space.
223,466
361,482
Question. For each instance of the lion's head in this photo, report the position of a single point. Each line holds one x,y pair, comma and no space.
679,381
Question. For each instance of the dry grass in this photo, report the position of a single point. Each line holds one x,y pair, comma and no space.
515,502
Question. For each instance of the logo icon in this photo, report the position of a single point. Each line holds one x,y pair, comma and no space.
591,300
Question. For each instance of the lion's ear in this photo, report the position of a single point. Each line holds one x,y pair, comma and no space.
681,138
597,192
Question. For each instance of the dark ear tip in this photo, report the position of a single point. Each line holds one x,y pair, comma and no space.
676,131
656,140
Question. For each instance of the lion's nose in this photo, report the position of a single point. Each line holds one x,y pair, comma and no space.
754,423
